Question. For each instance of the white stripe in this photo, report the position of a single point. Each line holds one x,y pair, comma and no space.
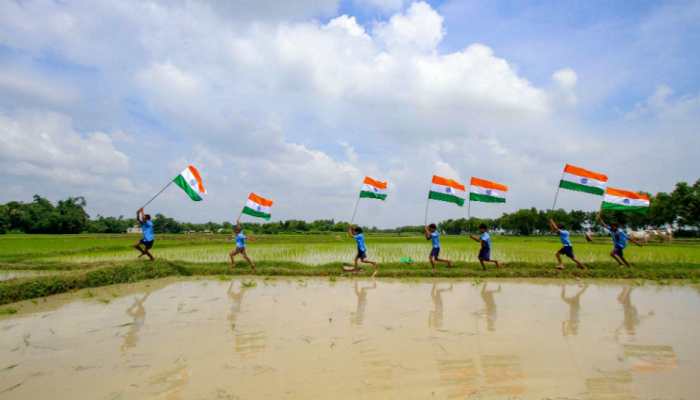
582,180
369,188
257,206
487,191
191,180
447,190
625,201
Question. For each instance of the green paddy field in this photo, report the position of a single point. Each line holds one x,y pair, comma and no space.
38,265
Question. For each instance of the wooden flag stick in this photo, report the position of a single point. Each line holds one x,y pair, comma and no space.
157,194
556,196
354,211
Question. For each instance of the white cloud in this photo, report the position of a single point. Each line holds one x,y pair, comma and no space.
45,145
300,110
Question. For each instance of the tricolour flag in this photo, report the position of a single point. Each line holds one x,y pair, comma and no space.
448,190
487,191
624,200
583,180
258,206
373,189
191,182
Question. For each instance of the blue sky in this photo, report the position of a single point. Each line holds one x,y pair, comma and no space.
299,100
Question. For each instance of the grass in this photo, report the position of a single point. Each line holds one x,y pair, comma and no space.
70,262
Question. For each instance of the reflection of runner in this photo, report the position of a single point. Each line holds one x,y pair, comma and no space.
436,316
359,315
138,313
236,299
631,319
487,296
570,327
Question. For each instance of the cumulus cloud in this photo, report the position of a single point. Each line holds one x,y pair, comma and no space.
294,107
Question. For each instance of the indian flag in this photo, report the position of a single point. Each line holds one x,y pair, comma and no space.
583,180
624,200
373,189
487,191
258,206
191,182
448,190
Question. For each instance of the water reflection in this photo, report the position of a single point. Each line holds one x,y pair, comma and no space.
490,303
650,358
460,376
358,317
632,319
138,312
570,327
610,385
503,375
247,340
236,299
435,317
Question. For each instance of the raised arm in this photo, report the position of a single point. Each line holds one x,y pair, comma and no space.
601,221
553,225
426,232
475,238
350,231
139,215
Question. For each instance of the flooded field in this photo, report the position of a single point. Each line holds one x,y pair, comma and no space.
316,339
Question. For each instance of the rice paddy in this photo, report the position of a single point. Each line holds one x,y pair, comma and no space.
41,265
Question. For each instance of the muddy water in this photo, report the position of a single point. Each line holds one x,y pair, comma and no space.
315,339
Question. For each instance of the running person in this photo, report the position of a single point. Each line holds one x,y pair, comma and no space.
433,235
619,238
147,236
567,249
240,239
356,233
485,250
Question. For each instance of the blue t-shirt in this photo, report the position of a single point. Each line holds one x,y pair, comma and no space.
360,239
435,238
240,240
147,231
564,237
486,240
619,238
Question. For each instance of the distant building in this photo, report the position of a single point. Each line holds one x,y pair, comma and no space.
134,229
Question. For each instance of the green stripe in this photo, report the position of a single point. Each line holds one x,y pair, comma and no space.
180,181
486,198
621,207
580,188
372,195
446,197
256,213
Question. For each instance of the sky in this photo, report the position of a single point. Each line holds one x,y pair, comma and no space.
298,101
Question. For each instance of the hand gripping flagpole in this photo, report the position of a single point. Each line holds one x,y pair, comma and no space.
157,194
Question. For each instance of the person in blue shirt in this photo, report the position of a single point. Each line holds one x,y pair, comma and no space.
240,238
356,233
619,238
485,250
433,235
567,249
147,235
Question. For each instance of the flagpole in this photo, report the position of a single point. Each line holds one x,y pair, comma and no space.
157,194
556,196
469,208
427,201
354,211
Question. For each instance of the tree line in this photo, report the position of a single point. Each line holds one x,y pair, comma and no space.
679,209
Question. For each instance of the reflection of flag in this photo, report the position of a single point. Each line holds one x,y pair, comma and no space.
487,191
583,180
373,189
258,206
624,200
191,182
448,190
